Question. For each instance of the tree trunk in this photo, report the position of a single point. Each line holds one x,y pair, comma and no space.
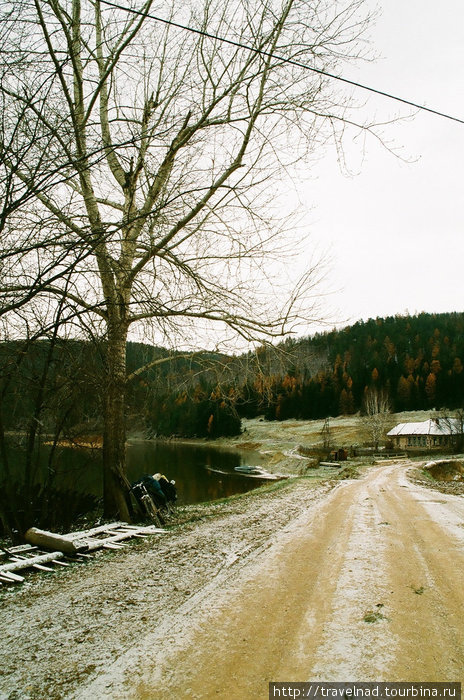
50,540
115,483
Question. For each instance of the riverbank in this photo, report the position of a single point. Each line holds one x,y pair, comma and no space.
282,444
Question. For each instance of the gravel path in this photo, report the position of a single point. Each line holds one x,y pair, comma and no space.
338,580
363,584
61,629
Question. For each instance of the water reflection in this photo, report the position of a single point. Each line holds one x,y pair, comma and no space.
74,482
201,473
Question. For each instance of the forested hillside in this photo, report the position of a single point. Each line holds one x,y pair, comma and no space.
416,360
56,387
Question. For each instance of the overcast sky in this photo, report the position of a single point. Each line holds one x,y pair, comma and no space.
396,230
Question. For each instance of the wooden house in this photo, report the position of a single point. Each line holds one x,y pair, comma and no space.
434,432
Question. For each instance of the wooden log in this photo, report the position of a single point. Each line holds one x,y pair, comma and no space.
28,562
86,540
140,535
116,528
21,549
40,567
10,577
153,530
50,540
120,535
126,526
93,544
82,534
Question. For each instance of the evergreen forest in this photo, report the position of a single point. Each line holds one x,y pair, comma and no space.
417,361
55,387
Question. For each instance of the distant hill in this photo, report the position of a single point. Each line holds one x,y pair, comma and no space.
417,360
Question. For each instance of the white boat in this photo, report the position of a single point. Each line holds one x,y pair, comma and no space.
247,469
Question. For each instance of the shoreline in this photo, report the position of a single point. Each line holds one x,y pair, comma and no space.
285,447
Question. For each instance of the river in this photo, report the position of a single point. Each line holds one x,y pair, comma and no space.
202,473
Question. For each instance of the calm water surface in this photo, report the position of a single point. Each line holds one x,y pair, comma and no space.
201,473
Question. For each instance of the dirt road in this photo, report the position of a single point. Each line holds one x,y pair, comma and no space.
365,585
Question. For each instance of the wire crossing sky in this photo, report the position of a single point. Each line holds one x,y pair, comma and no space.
305,66
396,235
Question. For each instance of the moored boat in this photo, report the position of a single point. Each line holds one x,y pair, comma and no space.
248,469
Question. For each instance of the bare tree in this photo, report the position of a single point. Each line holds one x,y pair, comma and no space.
140,164
326,435
376,414
453,424
45,382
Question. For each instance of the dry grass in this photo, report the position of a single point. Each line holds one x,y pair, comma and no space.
344,430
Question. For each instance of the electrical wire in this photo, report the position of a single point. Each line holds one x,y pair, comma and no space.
290,61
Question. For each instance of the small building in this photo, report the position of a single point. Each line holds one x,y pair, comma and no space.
434,432
340,455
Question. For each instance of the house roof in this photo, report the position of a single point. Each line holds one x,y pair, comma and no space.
432,426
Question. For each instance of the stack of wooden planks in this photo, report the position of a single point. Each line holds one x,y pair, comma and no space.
47,549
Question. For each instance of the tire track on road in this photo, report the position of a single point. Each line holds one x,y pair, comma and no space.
363,585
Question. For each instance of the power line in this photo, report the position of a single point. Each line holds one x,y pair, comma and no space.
290,61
